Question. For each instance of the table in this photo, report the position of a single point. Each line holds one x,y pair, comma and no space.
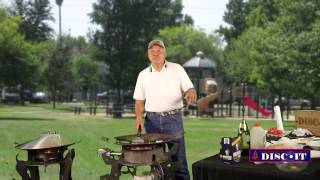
214,169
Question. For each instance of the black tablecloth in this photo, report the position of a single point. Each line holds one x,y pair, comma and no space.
214,169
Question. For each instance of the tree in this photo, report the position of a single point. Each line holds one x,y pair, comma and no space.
35,17
184,41
125,29
261,12
86,73
3,13
294,38
58,73
235,17
242,14
20,61
241,55
16,64
305,57
280,48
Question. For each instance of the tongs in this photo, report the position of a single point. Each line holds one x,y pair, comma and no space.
138,139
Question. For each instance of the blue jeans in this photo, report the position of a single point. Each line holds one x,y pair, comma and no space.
170,124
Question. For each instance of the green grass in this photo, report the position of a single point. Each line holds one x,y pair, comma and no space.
19,124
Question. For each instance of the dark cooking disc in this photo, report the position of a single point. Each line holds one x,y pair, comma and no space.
149,138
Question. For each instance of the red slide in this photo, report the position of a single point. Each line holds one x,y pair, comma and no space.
248,101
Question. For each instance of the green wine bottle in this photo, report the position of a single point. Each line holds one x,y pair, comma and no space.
244,133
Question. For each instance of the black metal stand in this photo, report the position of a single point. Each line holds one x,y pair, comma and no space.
161,170
116,165
23,167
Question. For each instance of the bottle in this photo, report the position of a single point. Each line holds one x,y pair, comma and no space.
243,132
257,137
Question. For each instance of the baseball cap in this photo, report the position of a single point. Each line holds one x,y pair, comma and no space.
156,42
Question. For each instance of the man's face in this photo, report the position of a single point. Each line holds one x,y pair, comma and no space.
156,54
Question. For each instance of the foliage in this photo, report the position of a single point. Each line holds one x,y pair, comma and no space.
3,12
86,72
125,29
16,63
35,17
261,12
235,16
184,41
240,55
58,73
279,49
79,45
306,57
39,52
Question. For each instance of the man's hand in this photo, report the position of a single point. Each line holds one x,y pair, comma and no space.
139,122
191,95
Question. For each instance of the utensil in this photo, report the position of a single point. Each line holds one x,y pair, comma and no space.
138,139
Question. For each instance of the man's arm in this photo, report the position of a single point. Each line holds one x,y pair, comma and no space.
190,93
139,109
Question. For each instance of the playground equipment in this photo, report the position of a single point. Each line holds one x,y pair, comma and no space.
212,92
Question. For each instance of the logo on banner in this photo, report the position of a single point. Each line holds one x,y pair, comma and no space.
279,155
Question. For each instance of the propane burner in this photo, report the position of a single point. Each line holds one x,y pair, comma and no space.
154,150
46,155
48,149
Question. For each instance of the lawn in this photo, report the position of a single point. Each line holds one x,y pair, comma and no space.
22,123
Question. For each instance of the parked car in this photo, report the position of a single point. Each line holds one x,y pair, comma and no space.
10,98
39,97
300,102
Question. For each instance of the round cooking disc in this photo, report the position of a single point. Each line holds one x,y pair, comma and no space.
149,138
43,142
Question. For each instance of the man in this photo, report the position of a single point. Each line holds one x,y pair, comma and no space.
159,91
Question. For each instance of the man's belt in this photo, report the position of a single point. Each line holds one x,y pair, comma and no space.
166,113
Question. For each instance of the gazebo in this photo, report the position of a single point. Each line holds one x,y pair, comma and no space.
198,68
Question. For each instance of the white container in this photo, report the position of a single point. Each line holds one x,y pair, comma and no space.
277,114
257,137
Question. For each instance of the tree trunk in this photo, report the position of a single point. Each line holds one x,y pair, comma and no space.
288,107
21,94
313,99
117,107
54,95
84,93
313,103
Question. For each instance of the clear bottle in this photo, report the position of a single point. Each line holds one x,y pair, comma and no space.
257,137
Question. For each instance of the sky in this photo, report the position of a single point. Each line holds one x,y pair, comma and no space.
207,15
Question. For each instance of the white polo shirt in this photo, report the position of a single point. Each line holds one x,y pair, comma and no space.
162,91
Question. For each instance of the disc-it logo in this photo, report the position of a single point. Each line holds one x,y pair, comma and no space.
279,155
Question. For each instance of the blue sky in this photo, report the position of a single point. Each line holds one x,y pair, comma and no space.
207,14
